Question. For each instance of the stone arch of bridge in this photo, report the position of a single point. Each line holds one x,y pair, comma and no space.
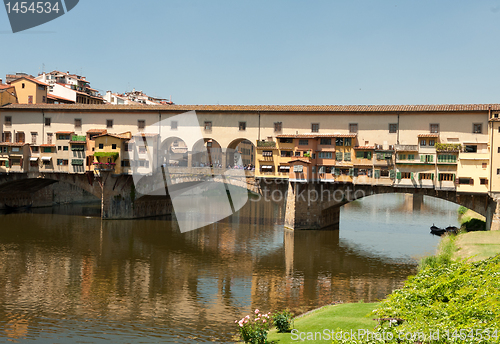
240,151
174,152
317,205
206,152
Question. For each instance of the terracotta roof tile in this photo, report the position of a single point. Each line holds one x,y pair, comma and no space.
30,79
47,145
364,147
97,131
64,132
269,108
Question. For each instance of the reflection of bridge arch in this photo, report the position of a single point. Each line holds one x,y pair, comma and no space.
174,152
207,152
240,151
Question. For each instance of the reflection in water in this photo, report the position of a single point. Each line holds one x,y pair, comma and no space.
67,279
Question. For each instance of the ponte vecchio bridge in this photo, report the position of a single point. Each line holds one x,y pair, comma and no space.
317,152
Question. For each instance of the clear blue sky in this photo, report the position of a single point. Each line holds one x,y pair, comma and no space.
274,51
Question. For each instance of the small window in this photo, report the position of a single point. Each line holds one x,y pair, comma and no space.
405,175
303,142
141,124
285,153
315,127
498,170
483,181
8,121
47,121
267,153
109,123
78,123
49,138
142,150
423,143
297,153
278,126
33,137
485,165
208,125
101,145
34,149
393,128
59,147
22,85
470,149
113,146
325,142
353,128
242,126
477,128
434,128
173,125
431,143
339,141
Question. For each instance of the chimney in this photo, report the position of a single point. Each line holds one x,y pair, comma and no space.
1,81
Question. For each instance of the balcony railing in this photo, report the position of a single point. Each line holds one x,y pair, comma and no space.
410,148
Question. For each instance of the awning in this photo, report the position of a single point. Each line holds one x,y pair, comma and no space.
267,167
4,159
285,167
33,159
46,158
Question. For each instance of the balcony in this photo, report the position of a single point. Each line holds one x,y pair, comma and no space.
105,167
407,148
266,144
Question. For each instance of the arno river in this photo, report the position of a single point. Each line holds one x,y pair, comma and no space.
67,277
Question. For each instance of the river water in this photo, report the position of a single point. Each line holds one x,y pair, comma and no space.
68,277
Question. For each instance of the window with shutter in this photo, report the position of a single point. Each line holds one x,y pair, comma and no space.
338,156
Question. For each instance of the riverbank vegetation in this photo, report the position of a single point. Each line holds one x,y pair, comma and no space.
454,298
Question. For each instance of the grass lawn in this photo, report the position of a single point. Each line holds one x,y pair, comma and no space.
477,245
348,316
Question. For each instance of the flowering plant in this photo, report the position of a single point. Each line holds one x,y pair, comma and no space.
254,329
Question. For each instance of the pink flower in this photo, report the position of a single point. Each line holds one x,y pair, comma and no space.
257,311
264,320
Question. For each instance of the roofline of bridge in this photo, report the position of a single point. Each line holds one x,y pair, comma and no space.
257,108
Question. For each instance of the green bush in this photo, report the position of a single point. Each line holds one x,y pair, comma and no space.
458,299
283,321
471,225
462,210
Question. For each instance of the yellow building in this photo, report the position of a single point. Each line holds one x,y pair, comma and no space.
7,94
109,151
30,91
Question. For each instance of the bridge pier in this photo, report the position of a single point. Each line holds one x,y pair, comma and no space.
307,208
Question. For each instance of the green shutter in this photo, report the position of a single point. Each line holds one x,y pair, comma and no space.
351,172
338,156
377,173
347,156
398,175
420,176
7,163
337,171
432,176
359,155
431,158
370,155
411,175
391,174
